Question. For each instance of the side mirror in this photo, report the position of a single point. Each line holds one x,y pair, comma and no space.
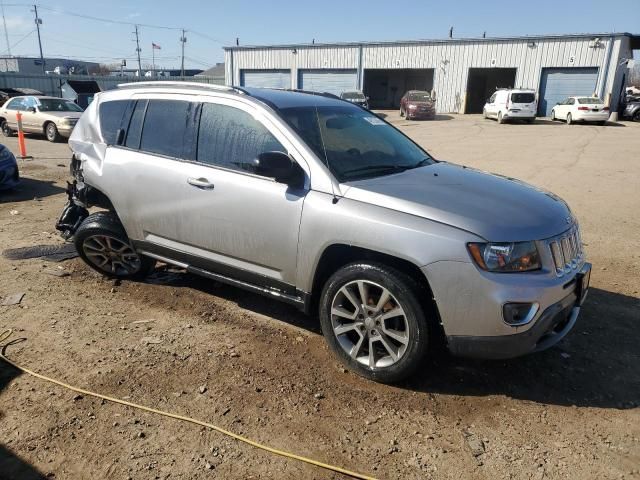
278,165
32,109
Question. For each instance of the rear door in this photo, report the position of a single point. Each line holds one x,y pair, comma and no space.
524,101
10,109
191,196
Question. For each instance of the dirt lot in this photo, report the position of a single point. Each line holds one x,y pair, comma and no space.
570,412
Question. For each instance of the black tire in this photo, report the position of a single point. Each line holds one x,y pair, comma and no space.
413,325
553,115
500,119
569,119
6,131
51,132
103,229
530,120
636,116
602,123
401,112
484,113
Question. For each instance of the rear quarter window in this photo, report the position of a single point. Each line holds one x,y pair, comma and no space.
111,119
523,97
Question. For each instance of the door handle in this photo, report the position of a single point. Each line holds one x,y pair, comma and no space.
200,183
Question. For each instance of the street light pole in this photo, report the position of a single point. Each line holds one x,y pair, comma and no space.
183,40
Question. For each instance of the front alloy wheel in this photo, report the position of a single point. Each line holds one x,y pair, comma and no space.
374,322
370,324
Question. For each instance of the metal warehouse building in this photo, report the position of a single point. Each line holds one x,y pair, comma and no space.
463,73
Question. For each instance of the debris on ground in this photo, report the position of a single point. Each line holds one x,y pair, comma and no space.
475,444
202,388
57,272
151,340
54,253
13,299
13,212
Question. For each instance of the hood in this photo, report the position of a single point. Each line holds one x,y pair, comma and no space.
75,115
497,208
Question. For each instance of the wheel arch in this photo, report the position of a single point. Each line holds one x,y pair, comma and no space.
44,126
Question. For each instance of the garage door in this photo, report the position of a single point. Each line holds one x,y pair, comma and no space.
330,81
557,84
266,78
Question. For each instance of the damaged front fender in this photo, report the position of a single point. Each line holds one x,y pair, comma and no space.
73,213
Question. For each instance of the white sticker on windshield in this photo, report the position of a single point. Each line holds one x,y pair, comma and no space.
374,120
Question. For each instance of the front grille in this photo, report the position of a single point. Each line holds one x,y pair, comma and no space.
566,250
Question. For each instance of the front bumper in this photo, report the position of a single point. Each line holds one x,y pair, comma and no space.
470,303
421,115
551,327
65,130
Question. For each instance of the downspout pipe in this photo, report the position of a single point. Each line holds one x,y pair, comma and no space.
605,78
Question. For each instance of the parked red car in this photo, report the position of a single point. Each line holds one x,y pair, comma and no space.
416,104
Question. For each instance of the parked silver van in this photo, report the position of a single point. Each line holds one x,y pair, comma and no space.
317,202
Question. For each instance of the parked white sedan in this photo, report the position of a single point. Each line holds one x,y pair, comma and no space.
581,109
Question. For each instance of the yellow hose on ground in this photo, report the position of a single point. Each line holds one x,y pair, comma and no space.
7,333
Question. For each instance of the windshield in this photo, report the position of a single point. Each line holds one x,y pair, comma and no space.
523,97
419,96
353,143
589,101
352,96
55,105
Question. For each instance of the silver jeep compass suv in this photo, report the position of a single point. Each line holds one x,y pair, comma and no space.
317,202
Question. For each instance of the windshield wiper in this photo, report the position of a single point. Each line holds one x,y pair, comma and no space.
374,168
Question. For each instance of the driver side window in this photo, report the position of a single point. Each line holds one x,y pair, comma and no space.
231,138
493,98
571,101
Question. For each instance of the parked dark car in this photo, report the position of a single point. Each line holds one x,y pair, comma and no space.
9,176
356,97
632,108
416,104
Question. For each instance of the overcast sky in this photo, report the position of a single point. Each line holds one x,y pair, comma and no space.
216,23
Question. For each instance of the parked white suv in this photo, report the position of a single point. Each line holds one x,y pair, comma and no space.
317,202
511,104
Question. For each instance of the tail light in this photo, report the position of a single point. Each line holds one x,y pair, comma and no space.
605,109
583,108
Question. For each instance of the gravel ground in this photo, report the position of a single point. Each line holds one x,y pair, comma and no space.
260,368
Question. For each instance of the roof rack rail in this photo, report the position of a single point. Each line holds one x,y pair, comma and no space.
310,92
183,84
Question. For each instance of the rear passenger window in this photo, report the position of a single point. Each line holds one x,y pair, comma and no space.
232,138
134,132
111,115
165,127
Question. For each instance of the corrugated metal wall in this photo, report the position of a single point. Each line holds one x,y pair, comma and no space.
451,60
50,84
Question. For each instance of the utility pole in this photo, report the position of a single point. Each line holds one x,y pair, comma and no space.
38,23
183,40
6,36
138,52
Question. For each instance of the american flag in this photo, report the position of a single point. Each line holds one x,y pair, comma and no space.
155,46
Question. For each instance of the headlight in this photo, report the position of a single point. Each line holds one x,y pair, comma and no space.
505,257
411,107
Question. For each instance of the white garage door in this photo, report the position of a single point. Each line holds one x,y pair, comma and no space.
329,81
266,78
556,84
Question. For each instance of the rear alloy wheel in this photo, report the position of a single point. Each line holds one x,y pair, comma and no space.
103,244
553,115
6,131
373,321
569,119
51,132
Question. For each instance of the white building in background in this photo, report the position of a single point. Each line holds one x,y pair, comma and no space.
462,73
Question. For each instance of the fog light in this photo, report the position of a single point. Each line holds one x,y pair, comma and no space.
516,314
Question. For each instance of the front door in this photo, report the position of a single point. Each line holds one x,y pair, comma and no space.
202,203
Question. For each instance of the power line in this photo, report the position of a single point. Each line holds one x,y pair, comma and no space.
21,40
